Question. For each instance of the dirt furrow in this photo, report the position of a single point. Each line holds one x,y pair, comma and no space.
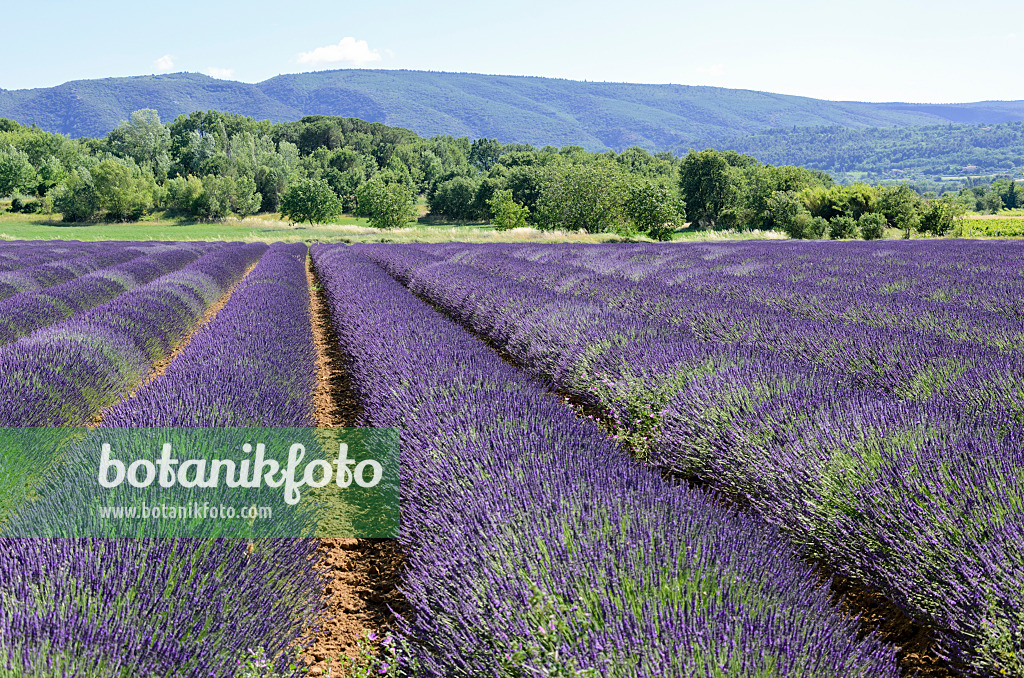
364,573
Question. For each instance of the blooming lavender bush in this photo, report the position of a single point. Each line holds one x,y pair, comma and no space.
536,547
184,607
28,311
857,471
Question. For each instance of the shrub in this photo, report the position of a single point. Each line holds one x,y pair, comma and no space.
386,205
26,206
506,213
872,226
817,227
842,227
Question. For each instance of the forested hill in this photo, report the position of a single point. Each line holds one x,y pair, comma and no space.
881,153
532,110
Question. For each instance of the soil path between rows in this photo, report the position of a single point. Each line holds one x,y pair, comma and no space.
363,573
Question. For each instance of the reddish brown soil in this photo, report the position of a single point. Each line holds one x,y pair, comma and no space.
915,642
363,573
160,367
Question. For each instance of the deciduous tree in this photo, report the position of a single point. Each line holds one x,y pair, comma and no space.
310,200
385,205
586,196
704,182
652,209
17,175
506,213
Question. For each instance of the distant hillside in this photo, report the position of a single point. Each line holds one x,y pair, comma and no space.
891,152
533,110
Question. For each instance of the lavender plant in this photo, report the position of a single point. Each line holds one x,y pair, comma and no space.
538,548
855,472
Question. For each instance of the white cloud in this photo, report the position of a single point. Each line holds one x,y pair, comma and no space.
220,73
349,50
164,63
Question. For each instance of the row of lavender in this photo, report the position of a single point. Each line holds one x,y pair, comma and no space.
63,374
966,356
253,365
918,499
185,607
819,279
21,254
536,547
24,312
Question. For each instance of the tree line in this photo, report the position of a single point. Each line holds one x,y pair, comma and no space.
210,164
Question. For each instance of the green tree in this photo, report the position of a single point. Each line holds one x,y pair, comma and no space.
17,175
992,202
124,191
783,212
636,160
704,183
506,213
584,196
245,199
310,200
51,172
183,194
525,183
483,153
941,216
145,140
872,226
650,208
385,205
215,200
455,198
75,197
1014,196
901,206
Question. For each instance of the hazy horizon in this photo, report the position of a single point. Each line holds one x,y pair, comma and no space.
509,75
875,51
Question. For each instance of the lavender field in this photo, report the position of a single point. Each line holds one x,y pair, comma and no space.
617,460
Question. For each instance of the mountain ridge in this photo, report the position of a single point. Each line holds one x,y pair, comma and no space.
527,109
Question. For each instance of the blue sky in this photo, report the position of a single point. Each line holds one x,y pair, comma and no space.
937,51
